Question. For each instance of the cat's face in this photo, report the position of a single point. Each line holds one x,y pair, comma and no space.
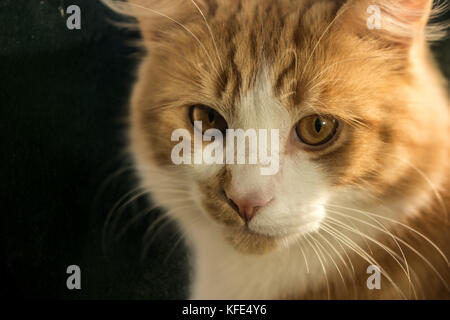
339,96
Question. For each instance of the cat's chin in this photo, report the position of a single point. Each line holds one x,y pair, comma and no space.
248,241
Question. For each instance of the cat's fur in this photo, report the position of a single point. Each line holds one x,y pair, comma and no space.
378,195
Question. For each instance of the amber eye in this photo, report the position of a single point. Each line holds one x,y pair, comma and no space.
210,118
316,130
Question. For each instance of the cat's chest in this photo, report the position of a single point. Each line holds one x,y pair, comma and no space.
224,274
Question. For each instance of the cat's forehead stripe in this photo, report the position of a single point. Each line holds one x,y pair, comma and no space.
270,37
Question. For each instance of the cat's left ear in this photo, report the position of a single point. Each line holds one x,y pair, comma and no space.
154,17
402,21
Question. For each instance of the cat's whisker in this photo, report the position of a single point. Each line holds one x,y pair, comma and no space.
106,225
395,256
120,210
400,224
363,254
173,191
313,247
397,244
156,221
363,238
138,216
392,253
300,246
342,241
334,250
343,250
320,245
159,221
351,269
386,230
174,246
108,180
357,249
404,243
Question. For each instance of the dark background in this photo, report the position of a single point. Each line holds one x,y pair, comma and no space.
63,105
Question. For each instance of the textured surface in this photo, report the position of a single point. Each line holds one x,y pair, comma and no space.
63,102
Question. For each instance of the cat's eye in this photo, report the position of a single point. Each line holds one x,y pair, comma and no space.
209,118
316,130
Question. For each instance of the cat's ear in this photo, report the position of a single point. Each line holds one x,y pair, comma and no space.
398,21
154,17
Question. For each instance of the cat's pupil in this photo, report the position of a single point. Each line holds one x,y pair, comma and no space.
318,125
211,116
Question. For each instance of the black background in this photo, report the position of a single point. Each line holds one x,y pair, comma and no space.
63,120
63,105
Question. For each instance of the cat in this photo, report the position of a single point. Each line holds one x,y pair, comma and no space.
363,116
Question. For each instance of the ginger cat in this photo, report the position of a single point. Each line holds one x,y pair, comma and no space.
363,118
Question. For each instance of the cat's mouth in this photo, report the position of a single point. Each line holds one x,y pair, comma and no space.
258,241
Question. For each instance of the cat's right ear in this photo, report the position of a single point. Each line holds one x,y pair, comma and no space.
154,17
397,21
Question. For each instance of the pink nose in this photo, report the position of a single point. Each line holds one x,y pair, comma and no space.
247,206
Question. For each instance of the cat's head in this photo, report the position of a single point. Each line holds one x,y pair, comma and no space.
340,81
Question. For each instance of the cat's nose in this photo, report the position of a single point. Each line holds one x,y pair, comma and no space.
247,206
